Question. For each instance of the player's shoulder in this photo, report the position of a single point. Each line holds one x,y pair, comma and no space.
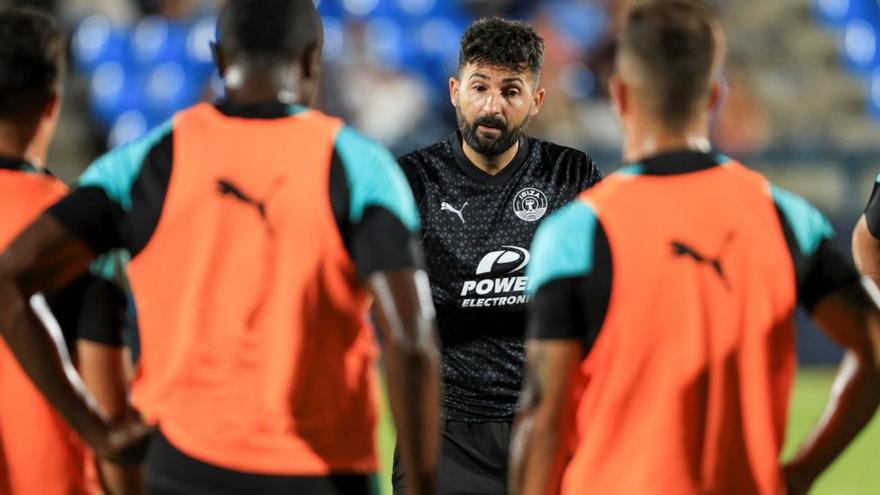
808,224
575,214
350,141
555,151
563,244
566,160
115,171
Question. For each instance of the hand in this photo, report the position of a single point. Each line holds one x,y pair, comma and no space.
125,442
797,481
423,484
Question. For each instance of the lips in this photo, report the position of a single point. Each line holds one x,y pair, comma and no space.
488,129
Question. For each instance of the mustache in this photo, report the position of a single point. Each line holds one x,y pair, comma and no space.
491,121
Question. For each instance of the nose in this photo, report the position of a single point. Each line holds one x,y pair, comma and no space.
492,106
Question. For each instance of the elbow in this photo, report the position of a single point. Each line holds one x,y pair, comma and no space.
545,437
11,304
415,350
866,250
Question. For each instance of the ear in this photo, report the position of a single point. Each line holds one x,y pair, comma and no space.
219,59
717,93
454,86
53,105
311,68
620,98
537,101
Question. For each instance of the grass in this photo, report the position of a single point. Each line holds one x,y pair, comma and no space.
856,472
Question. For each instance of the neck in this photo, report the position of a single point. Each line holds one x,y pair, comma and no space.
492,165
14,145
651,140
246,84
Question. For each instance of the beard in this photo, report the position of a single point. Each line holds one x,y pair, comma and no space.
489,146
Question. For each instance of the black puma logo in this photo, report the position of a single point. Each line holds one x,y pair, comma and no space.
681,249
227,188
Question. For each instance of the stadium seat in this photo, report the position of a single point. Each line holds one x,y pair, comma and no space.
156,40
97,41
111,93
859,43
874,95
127,127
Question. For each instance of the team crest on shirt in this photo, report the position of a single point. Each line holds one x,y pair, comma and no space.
530,204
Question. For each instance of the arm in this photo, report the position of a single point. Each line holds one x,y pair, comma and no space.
570,280
866,250
44,257
537,458
406,316
851,317
103,370
102,365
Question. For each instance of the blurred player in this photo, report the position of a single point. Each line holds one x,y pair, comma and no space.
39,453
481,194
257,229
661,337
866,237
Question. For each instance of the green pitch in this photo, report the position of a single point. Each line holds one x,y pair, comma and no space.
857,472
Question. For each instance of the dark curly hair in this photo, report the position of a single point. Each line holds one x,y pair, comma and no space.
31,62
498,42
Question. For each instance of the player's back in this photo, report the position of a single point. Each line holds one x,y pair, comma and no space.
255,352
29,428
686,387
23,196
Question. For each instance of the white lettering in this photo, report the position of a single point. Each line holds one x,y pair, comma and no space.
521,283
484,287
467,287
504,285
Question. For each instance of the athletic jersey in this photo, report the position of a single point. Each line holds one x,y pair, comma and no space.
30,429
476,234
251,231
681,275
872,210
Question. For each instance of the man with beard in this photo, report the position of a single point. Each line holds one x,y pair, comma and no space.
481,194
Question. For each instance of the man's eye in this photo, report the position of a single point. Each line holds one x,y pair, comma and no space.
512,93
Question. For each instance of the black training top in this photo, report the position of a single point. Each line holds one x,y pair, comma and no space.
476,231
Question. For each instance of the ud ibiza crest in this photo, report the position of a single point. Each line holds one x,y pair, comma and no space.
530,204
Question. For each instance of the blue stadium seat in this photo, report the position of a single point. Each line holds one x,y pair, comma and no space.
96,41
874,95
837,13
111,93
168,89
860,45
334,38
330,8
418,8
582,24
364,8
127,127
384,41
155,40
198,46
